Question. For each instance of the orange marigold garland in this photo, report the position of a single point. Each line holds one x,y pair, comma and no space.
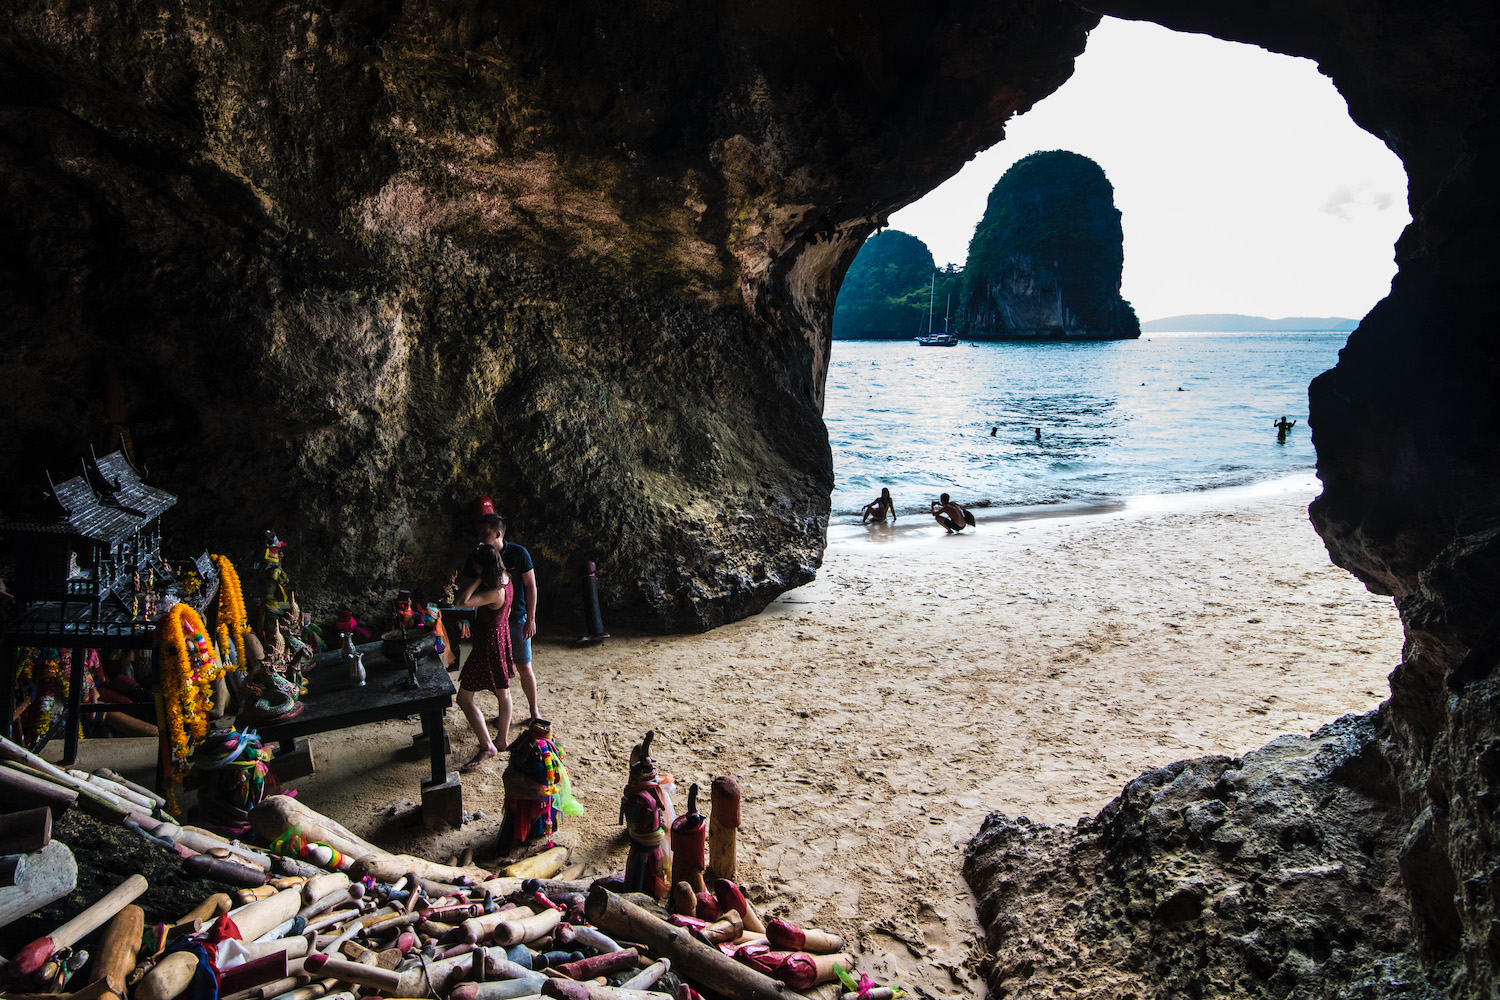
189,667
229,613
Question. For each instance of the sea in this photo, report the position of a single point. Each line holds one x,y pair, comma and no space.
1168,413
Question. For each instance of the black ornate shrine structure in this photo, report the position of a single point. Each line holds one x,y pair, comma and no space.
88,574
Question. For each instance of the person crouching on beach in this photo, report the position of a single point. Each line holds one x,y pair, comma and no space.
949,514
879,509
490,665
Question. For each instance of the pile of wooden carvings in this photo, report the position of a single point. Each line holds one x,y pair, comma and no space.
35,869
397,926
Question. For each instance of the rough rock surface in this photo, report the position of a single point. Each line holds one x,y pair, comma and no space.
338,269
1271,875
1046,260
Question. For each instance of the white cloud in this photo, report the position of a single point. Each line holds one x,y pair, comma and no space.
1338,203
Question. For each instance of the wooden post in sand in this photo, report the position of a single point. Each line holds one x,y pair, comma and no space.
31,957
27,790
115,957
723,828
688,837
25,831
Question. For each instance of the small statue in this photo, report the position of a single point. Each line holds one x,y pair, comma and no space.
268,697
406,615
643,811
275,646
348,640
413,655
345,623
312,634
411,650
538,791
267,694
273,597
299,661
432,617
449,589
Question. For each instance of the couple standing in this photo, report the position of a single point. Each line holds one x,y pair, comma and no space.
503,630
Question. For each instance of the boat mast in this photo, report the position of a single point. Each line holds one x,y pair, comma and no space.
947,310
931,296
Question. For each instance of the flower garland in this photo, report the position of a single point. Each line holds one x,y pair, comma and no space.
189,667
229,612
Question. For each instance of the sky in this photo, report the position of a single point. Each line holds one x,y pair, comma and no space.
1242,183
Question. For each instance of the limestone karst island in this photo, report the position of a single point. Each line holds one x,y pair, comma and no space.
420,572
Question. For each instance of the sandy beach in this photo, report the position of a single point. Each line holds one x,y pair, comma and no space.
873,718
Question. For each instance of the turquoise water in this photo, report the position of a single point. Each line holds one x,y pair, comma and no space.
1173,413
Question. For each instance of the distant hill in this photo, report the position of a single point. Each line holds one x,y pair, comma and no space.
888,289
1237,323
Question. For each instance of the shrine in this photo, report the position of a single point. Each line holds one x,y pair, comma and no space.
88,574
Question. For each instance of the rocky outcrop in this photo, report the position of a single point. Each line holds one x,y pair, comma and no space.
338,269
1046,260
1271,875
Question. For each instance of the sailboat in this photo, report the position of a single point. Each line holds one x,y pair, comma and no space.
930,339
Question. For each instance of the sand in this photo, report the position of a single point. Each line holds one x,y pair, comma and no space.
874,717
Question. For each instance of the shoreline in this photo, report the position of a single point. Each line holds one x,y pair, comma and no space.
852,534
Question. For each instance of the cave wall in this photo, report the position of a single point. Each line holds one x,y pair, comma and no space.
340,268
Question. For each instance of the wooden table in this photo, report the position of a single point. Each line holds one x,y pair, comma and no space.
334,702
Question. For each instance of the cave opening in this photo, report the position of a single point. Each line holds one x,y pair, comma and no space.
1221,624
739,166
1249,204
1419,860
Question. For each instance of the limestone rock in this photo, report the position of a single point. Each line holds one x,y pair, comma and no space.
1273,875
1046,260
336,269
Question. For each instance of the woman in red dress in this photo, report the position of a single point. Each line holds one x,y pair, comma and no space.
489,666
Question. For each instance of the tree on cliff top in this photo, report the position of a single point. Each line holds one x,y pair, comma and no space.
886,288
1057,209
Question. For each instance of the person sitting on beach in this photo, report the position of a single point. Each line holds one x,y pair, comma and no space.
879,509
949,514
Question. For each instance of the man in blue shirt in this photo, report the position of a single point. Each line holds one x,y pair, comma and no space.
517,562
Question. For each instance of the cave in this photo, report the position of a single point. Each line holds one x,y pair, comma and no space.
335,270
